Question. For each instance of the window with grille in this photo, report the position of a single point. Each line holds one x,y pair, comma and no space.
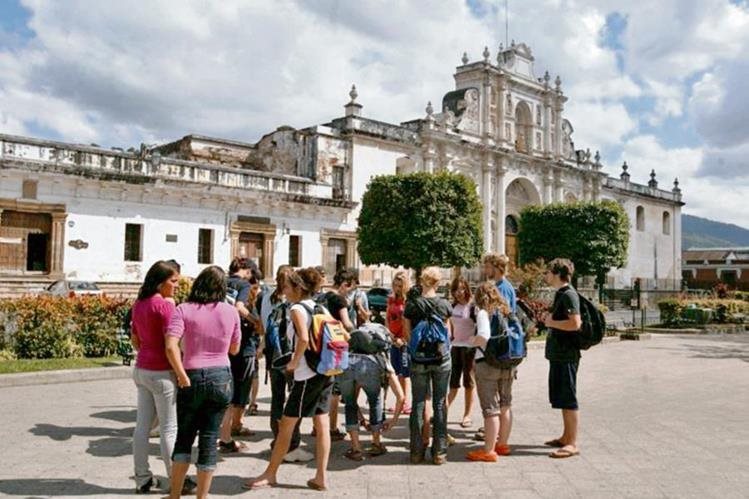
133,242
205,246
295,251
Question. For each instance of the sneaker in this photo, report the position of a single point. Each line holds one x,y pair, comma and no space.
298,455
502,450
146,487
482,455
188,488
439,459
450,440
417,457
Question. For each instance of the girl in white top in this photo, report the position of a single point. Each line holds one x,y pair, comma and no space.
494,385
310,393
462,350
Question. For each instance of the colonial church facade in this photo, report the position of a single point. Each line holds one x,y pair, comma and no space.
84,212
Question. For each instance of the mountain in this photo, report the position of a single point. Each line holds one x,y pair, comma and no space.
699,232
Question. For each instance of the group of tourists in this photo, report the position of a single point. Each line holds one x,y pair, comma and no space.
197,365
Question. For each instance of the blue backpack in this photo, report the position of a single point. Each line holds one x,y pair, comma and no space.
430,341
278,348
506,347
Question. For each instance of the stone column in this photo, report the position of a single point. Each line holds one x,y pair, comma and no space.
501,210
268,242
596,188
548,188
558,132
57,246
486,197
429,157
558,191
547,129
485,128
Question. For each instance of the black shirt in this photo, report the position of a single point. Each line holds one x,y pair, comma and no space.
561,345
420,308
335,303
248,345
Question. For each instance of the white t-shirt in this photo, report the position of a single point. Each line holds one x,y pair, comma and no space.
303,371
483,329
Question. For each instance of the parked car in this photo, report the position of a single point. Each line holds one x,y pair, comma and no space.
72,288
378,299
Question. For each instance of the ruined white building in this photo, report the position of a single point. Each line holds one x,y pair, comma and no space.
293,197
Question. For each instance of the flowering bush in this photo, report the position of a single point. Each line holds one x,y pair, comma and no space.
59,327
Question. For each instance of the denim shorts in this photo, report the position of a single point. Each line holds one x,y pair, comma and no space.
400,361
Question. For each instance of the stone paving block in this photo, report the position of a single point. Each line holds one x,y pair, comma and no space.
641,435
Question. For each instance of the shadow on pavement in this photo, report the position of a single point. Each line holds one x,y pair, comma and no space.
46,487
119,416
61,433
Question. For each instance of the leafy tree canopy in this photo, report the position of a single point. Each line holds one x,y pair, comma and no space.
594,235
420,219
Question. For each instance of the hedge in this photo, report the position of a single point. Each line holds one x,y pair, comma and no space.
43,327
724,310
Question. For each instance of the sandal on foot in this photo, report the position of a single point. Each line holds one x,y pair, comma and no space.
337,435
250,485
316,486
230,447
376,450
252,411
242,431
554,443
467,422
502,450
354,455
564,452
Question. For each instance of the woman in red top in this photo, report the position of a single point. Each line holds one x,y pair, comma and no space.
396,304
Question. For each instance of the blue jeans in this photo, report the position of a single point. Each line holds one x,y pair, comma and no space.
200,409
366,373
426,378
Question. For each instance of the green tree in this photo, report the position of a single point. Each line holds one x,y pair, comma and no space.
594,235
420,219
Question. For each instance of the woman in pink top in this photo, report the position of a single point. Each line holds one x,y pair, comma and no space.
153,375
209,330
462,353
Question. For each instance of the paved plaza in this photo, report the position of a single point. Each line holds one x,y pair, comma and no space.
668,417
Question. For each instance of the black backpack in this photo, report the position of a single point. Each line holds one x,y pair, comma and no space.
370,338
593,324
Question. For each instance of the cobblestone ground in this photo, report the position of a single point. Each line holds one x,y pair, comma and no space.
661,418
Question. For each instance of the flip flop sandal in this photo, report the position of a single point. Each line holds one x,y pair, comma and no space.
466,423
253,410
564,453
315,486
354,455
554,443
248,486
231,447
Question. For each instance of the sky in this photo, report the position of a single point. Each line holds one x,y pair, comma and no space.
658,83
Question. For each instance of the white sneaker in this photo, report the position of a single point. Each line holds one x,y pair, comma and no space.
298,455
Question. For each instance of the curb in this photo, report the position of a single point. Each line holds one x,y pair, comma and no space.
65,376
124,372
540,345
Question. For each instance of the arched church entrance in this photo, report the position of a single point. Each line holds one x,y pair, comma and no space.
520,193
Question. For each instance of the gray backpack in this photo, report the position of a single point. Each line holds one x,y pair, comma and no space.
369,339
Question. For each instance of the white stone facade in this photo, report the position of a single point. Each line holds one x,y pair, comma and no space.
502,127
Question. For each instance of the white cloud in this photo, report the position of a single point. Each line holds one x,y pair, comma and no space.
118,73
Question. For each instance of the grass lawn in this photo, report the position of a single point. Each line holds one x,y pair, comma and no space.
30,365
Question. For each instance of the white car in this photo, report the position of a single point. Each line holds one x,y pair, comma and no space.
72,288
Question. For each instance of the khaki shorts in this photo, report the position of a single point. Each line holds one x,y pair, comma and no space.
494,387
